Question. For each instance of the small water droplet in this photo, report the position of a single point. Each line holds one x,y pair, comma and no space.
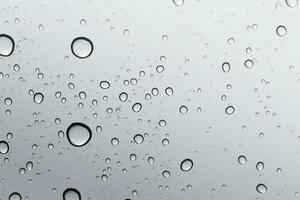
281,30
226,67
4,147
260,166
229,110
104,84
261,188
38,98
137,107
138,138
183,109
248,63
242,159
178,2
115,141
123,96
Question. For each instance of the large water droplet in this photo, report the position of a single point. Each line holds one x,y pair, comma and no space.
137,107
79,134
178,2
261,188
4,147
291,3
82,47
15,196
38,97
7,45
138,138
186,165
71,194
123,96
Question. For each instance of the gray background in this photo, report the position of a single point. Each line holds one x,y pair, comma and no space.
266,98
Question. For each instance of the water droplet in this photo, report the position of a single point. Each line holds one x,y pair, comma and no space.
248,63
150,160
29,165
183,109
260,166
169,91
78,134
242,159
71,194
8,101
186,165
15,196
138,138
123,96
160,68
132,157
281,30
166,174
229,110
226,67
137,107
104,84
291,3
178,2
82,22
38,98
82,47
261,188
4,147
115,141
7,45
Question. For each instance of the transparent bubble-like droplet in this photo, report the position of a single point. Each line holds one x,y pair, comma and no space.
78,134
71,194
186,165
4,147
29,165
137,107
229,110
160,69
166,173
291,3
169,91
104,84
150,160
82,47
183,109
242,160
178,2
261,188
226,67
7,45
123,96
8,101
38,98
260,166
248,63
138,138
115,141
132,157
15,196
281,31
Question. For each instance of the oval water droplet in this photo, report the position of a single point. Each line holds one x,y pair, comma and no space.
242,159
186,165
38,98
226,67
82,47
71,194
7,45
123,96
137,107
260,166
4,147
104,84
261,188
78,134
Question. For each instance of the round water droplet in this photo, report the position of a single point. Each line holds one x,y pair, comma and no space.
226,67
15,196
137,107
166,174
78,134
160,68
82,47
138,138
169,91
186,165
4,147
229,110
123,96
115,141
104,84
260,166
178,2
71,194
8,101
38,98
183,109
248,63
7,45
242,159
261,188
281,30
291,3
